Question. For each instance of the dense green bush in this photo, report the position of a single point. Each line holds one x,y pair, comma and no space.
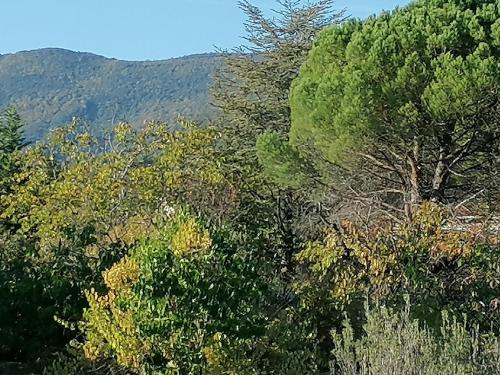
187,300
75,209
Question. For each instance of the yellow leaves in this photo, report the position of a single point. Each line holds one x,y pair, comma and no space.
110,329
210,355
211,352
429,216
112,324
435,232
322,255
122,275
381,258
191,159
84,139
190,238
451,245
223,357
65,185
122,131
128,231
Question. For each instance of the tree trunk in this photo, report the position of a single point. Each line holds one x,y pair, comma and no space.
440,179
415,188
442,170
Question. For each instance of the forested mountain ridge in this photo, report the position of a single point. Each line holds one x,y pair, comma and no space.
51,86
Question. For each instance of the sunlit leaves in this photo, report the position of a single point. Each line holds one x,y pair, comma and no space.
72,181
438,262
420,83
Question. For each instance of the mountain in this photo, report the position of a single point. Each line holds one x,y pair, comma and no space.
51,86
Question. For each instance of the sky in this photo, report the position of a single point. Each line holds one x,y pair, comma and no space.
138,29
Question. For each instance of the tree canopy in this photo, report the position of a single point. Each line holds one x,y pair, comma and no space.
11,142
415,93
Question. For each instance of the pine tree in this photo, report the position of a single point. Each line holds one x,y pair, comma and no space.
408,99
11,141
252,92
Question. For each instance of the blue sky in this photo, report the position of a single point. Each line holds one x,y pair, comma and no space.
137,29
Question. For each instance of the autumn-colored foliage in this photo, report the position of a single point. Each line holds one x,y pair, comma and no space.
229,250
434,261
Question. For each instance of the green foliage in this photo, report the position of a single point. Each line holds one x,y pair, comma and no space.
76,209
423,75
66,365
71,190
252,86
413,93
51,86
73,362
282,161
394,343
188,300
11,141
251,89
192,250
22,288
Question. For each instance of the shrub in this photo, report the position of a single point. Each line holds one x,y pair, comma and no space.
394,343
440,265
187,300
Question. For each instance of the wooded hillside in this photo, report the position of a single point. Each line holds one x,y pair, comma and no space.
51,86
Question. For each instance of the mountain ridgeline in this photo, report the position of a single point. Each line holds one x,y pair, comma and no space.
51,86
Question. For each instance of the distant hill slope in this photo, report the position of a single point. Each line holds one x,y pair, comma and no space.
51,86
